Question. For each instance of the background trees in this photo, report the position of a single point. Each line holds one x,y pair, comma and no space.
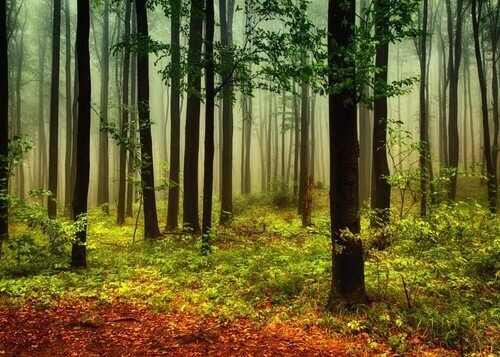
4,127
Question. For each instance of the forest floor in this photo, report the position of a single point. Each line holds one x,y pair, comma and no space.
79,329
262,291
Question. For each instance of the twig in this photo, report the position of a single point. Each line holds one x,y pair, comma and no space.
406,293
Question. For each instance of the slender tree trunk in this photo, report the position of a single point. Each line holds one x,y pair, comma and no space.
443,99
42,137
491,174
226,22
124,123
133,123
208,177
247,182
283,127
348,281
54,109
19,77
103,177
69,112
312,120
4,127
190,204
78,252
269,147
297,149
175,117
381,191
454,58
304,149
151,230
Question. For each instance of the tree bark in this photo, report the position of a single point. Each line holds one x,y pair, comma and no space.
54,109
348,282
192,133
68,197
103,176
151,230
4,127
304,147
175,117
124,123
79,252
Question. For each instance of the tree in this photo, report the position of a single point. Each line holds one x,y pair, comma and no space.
175,116
304,144
191,152
54,108
103,177
226,9
124,123
4,127
151,230
69,112
381,190
477,7
348,282
454,59
208,176
79,252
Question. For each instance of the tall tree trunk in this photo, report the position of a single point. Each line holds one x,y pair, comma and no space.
477,7
103,176
268,148
190,204
208,177
19,76
248,120
124,123
381,190
175,117
443,99
304,141
283,131
424,152
151,230
78,252
296,149
68,197
348,281
4,127
133,124
454,58
42,137
54,108
312,120
226,9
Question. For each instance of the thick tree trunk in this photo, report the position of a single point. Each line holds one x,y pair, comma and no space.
191,153
348,281
151,230
103,176
78,252
124,123
4,127
54,109
175,117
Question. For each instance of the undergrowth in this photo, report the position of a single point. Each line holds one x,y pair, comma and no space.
436,284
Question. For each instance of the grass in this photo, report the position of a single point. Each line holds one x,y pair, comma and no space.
436,284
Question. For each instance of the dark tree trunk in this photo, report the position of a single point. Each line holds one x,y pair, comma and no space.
18,84
454,58
381,190
312,159
348,280
4,127
226,8
304,147
268,147
103,176
68,197
424,152
54,108
151,230
247,124
491,174
283,126
297,143
192,133
79,252
208,177
124,124
175,117
443,99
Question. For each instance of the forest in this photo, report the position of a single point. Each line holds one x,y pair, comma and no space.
249,177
